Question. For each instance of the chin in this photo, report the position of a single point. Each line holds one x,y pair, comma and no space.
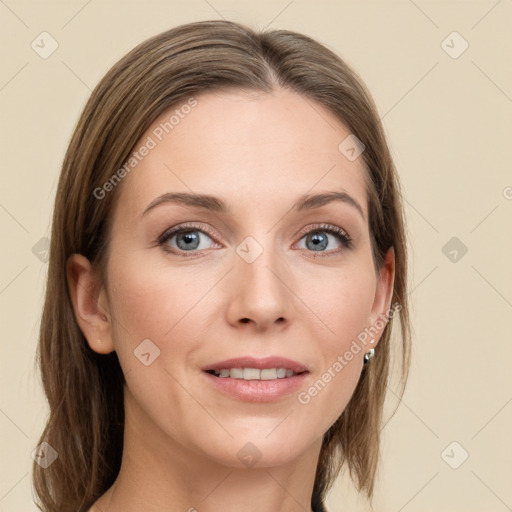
259,448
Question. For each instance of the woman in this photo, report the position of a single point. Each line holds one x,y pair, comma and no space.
227,255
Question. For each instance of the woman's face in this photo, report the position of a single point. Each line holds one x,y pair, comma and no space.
244,280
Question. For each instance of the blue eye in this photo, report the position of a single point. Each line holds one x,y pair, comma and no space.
317,240
189,239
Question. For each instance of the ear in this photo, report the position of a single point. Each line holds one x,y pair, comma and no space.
380,313
90,303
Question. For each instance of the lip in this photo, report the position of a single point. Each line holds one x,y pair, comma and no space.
257,390
260,363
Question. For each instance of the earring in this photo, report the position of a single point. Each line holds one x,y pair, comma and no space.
368,355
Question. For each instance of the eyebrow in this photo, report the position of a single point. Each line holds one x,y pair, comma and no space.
214,204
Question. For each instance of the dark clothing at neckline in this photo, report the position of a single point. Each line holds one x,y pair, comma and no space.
317,505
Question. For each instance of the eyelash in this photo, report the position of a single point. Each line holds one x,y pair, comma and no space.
340,233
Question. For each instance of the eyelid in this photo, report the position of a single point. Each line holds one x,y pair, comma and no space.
342,234
183,227
325,227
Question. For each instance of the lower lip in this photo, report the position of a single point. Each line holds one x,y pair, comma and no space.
257,390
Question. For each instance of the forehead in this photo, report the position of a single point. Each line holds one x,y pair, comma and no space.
251,148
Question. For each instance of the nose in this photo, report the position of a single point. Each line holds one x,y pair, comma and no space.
259,293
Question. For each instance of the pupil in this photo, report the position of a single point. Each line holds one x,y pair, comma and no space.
319,240
189,238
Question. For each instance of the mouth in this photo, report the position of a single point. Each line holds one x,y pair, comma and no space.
255,373
253,368
257,380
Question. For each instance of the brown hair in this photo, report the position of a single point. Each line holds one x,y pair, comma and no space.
85,389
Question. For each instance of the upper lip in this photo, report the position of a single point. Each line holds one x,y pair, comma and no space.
261,363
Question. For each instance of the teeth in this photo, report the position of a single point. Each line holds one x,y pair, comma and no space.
236,373
252,373
255,373
269,374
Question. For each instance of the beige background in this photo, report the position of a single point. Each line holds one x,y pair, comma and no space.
449,122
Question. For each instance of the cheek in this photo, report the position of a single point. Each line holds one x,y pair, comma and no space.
152,308
343,304
167,306
150,301
344,308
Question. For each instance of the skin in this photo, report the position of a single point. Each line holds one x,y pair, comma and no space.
258,152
